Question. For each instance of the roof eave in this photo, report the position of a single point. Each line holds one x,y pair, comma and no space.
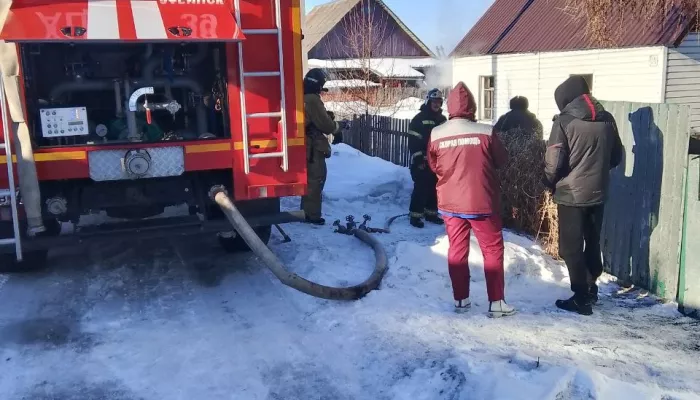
407,30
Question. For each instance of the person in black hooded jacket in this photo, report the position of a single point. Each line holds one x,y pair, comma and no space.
582,149
519,117
424,196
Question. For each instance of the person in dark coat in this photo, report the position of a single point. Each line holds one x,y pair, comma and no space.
465,156
424,197
582,149
318,124
519,117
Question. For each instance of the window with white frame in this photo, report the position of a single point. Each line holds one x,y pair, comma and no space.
487,96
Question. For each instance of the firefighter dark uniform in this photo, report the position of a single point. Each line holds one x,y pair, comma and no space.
424,196
318,124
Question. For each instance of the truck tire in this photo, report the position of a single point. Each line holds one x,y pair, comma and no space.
32,261
238,245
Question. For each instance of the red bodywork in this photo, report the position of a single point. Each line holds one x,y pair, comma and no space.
212,20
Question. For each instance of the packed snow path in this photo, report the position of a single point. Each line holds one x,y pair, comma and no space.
182,320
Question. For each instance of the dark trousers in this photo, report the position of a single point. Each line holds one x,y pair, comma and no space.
424,196
579,245
489,234
316,180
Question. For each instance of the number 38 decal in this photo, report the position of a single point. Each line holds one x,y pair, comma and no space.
203,25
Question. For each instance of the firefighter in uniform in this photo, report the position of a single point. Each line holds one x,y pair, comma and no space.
424,196
318,124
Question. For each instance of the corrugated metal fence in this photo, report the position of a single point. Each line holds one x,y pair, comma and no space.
642,228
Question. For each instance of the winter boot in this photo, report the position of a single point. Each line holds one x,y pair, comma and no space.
417,222
575,304
315,221
434,218
462,306
593,294
499,309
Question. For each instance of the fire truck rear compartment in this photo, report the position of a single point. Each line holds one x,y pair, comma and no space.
188,100
188,104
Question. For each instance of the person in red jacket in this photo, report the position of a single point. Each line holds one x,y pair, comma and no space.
465,156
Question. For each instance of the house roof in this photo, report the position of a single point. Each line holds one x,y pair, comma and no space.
323,18
521,26
382,67
349,84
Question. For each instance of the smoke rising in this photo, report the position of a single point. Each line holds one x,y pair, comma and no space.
440,75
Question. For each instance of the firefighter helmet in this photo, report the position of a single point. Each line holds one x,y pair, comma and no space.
314,81
433,94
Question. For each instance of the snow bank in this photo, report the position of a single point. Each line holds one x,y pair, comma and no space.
383,67
355,176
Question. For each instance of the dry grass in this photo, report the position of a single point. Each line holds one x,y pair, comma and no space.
603,17
527,205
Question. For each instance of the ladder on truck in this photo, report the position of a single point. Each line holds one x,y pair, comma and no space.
11,191
282,114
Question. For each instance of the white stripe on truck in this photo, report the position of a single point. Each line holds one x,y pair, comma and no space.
102,19
148,20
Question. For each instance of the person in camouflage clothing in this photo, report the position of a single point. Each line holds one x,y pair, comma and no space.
318,124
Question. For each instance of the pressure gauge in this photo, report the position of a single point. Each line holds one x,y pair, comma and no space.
101,130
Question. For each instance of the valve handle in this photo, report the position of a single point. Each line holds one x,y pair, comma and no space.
148,111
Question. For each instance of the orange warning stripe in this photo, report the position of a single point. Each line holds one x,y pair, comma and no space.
56,156
206,148
269,143
298,67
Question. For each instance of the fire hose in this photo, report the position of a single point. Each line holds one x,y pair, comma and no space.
219,195
391,220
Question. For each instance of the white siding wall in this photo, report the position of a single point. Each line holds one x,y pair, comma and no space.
469,69
618,74
683,77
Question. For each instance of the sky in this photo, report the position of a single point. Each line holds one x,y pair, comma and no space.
435,22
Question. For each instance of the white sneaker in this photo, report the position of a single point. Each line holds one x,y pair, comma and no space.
499,309
462,305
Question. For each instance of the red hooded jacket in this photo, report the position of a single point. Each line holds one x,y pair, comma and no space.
465,156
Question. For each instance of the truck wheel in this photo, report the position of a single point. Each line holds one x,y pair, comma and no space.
237,244
32,261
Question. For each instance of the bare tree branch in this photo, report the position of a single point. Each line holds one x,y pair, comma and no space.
366,40
604,18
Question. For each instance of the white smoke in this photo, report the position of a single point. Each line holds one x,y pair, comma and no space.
439,75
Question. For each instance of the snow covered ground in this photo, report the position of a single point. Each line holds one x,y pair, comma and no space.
182,320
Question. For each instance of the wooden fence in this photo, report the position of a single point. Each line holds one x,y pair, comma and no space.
642,233
382,137
689,277
642,229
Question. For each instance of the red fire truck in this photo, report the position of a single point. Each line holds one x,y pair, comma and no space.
127,107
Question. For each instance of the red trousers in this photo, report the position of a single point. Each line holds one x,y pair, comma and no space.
489,233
